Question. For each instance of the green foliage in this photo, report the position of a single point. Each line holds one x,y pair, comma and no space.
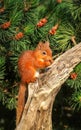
2,69
75,8
75,100
64,34
75,85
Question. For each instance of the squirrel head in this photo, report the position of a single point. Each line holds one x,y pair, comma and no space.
43,54
44,46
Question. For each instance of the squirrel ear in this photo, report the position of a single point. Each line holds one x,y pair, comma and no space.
39,45
47,42
42,44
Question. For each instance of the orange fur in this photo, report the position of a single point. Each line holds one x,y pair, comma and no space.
28,64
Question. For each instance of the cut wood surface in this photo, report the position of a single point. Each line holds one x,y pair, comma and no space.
41,95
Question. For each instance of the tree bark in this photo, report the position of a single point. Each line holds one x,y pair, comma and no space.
41,95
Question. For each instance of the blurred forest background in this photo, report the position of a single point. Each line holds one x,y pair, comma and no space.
23,23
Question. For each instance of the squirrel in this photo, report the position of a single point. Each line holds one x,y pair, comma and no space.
29,64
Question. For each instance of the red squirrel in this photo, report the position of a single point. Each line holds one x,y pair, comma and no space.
29,64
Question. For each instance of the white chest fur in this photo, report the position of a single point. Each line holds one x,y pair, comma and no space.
37,74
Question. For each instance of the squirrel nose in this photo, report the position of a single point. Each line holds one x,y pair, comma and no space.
51,61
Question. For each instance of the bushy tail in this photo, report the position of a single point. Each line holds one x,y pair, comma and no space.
21,102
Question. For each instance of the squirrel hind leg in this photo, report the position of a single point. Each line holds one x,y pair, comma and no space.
33,77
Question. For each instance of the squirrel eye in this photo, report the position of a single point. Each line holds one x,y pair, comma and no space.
44,53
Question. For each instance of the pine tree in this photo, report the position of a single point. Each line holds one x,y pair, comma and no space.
23,23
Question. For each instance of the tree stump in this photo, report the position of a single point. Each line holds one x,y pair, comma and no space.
37,113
